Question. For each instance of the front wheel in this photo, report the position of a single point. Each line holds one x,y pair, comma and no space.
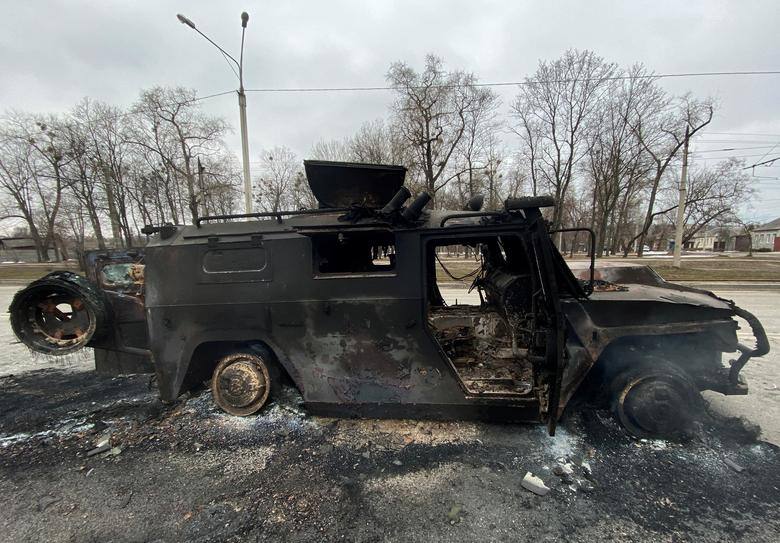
655,401
242,383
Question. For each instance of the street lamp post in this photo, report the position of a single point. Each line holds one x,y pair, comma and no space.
241,100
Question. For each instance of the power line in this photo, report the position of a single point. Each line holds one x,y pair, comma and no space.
732,142
726,157
731,149
123,114
199,98
517,83
772,149
742,134
759,163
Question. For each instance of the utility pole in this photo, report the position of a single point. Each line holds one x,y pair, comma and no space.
201,187
242,110
245,151
241,100
678,234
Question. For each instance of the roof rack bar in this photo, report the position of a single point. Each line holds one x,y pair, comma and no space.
471,214
277,214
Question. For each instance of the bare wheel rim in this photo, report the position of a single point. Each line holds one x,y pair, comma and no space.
58,320
655,406
241,384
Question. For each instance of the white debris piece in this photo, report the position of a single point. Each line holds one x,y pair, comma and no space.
534,484
733,465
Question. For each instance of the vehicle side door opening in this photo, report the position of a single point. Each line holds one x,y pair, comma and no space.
490,339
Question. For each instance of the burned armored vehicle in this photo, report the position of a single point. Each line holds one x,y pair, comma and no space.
348,303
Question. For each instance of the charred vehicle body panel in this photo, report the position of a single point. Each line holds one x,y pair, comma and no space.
345,301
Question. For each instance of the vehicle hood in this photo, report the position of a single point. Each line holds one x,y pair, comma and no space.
669,293
643,284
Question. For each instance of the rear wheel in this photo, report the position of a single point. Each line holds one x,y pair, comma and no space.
242,383
655,400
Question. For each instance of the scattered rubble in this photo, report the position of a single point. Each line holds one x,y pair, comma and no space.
99,449
534,484
189,471
733,465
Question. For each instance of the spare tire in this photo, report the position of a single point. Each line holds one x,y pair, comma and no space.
59,313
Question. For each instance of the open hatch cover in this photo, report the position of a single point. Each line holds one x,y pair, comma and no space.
342,184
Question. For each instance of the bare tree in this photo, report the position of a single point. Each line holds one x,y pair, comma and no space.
82,177
34,164
279,177
713,195
660,126
169,124
19,182
746,226
553,109
478,149
334,150
616,160
377,143
105,131
431,112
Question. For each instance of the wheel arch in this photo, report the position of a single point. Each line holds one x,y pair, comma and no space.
689,352
200,357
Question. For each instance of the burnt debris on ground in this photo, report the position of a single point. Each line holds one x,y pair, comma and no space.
186,471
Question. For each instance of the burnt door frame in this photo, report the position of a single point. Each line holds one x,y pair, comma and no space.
534,232
439,238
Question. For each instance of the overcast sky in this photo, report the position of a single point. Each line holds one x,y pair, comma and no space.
53,53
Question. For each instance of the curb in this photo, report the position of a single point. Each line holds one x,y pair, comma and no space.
730,285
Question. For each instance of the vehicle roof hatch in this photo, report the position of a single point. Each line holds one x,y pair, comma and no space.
344,184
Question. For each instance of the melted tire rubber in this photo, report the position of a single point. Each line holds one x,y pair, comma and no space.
656,400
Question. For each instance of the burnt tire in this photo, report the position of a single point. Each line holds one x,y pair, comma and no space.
655,400
59,313
244,381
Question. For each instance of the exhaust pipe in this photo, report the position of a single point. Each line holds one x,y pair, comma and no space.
413,210
397,201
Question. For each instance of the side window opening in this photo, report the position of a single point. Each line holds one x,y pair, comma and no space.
354,253
122,277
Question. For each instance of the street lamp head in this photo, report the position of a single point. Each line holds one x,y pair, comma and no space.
244,19
185,21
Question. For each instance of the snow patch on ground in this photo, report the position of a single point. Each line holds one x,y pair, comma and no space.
65,428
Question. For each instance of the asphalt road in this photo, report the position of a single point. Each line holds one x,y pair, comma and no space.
186,472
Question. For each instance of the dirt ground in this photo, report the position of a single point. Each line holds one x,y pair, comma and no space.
187,472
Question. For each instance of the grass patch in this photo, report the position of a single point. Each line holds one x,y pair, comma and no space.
693,269
719,271
24,272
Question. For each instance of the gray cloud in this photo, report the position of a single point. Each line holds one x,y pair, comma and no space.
52,53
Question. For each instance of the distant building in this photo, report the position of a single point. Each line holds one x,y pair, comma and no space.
717,239
18,249
767,236
714,238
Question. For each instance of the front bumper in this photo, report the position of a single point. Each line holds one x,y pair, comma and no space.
736,384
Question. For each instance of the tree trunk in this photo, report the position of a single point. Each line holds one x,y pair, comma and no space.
113,216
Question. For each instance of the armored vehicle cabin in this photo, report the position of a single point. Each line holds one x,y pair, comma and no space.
346,303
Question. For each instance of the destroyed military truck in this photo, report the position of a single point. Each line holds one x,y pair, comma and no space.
346,302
